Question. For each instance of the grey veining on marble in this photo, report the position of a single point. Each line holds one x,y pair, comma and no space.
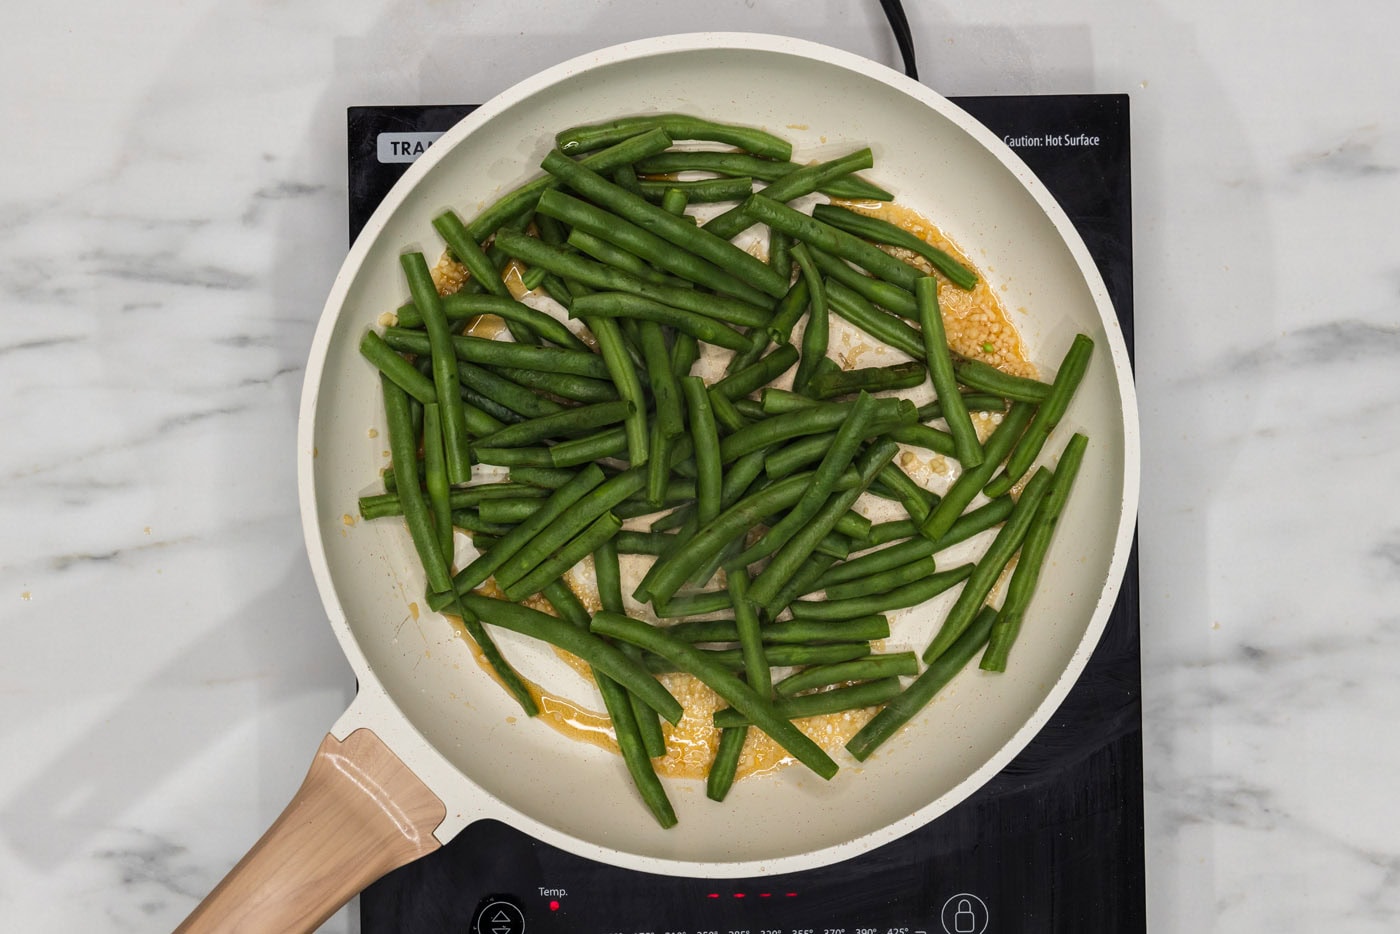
172,214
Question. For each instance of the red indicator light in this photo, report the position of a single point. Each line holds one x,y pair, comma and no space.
792,895
713,895
738,894
554,904
765,894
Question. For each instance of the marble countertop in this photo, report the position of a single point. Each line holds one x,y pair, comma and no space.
172,216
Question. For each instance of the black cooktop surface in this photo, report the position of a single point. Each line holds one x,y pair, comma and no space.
1052,843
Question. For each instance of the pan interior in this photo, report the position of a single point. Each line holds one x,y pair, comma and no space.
578,796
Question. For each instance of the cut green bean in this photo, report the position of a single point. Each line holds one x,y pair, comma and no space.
583,138
880,325
735,692
648,247
392,365
403,443
993,562
578,548
897,599
967,448
381,505
804,181
883,581
869,694
825,237
435,478
625,305
612,255
463,306
642,724
720,778
971,401
762,372
738,164
527,196
700,190
876,291
1047,416
872,668
901,709
705,436
779,655
970,482
882,231
505,392
580,642
567,421
470,254
498,354
683,234
564,385
607,278
629,387
444,364
818,331
831,384
1037,541
756,669
987,378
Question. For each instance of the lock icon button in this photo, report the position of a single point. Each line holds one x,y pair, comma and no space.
964,913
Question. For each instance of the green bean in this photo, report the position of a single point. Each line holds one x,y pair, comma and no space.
900,710
917,501
610,255
579,139
1037,541
877,291
580,642
897,599
789,311
527,196
629,387
878,324
607,278
743,164
653,250
705,436
804,181
831,239
508,511
756,669
642,543
649,217
785,563
565,558
497,354
610,443
505,392
438,342
1067,379
564,385
739,384
987,378
883,581
734,691
461,306
625,177
435,477
502,415
627,729
668,574
874,562
838,458
634,724
998,555
720,778
886,532
403,443
405,374
881,231
694,604
814,420
780,253
513,457
787,632
470,254
838,382
699,191
387,504
747,407
971,480
625,305
800,583
871,668
725,412
967,448
779,655
567,421
558,503
541,477
818,331
869,694
673,200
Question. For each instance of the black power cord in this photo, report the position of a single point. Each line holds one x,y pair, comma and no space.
899,24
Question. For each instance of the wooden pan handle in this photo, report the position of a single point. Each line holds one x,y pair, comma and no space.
359,814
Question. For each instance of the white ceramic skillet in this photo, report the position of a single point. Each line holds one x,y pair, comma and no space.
431,744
